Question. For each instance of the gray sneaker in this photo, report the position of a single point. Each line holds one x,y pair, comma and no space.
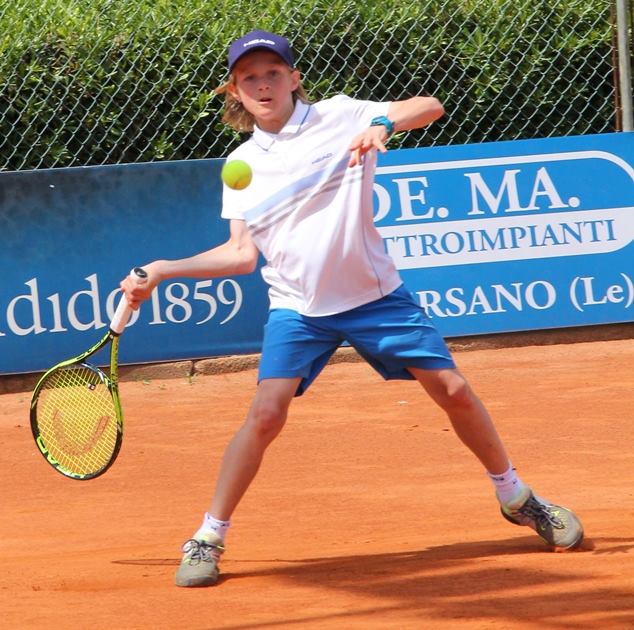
199,566
557,525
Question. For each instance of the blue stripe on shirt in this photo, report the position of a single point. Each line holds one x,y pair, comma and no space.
293,190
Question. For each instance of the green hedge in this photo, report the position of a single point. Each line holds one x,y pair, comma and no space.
104,81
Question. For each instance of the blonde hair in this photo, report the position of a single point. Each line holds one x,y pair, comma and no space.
236,116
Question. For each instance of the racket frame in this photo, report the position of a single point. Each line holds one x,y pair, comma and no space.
110,381
117,326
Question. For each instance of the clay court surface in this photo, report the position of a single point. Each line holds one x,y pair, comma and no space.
368,513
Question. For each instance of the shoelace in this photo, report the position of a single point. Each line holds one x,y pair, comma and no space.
541,513
201,551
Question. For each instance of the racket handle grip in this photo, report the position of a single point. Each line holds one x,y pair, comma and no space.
123,312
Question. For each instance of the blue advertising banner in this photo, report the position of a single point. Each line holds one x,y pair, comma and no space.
489,238
69,237
513,236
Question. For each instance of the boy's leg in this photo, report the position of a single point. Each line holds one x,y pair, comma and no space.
557,525
244,453
241,461
468,416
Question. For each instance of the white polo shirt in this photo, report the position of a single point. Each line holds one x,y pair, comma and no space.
310,214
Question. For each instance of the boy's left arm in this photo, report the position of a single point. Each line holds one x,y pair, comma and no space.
412,113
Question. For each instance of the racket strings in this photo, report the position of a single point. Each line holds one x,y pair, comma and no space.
77,419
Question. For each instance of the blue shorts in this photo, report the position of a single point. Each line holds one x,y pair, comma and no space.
391,334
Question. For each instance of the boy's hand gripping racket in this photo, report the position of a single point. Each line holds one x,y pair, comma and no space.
76,416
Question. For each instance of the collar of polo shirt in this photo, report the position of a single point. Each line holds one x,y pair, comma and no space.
265,140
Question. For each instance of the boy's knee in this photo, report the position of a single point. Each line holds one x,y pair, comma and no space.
267,419
458,395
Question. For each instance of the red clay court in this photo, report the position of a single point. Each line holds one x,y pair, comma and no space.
368,513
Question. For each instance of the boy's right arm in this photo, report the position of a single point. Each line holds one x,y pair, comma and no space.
236,256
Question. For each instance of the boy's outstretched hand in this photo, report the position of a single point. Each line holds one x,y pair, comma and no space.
372,138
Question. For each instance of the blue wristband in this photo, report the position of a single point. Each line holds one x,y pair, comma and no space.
386,122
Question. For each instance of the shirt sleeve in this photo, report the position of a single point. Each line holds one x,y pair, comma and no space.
231,204
233,201
361,111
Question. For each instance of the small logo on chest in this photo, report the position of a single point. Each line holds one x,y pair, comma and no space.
321,158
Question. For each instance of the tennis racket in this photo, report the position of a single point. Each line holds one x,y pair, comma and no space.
76,416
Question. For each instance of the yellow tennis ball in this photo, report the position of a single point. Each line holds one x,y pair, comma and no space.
237,174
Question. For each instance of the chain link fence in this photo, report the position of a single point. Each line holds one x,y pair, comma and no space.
86,82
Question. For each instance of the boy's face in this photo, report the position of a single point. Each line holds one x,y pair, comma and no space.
264,85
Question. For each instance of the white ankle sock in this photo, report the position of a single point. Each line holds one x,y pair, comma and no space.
507,485
211,524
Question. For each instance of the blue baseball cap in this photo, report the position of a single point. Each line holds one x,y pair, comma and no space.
257,40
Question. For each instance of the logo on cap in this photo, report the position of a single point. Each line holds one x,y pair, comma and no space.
258,41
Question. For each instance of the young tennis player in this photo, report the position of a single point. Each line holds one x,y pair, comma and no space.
309,211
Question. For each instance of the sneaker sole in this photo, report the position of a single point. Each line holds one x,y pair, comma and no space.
196,582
